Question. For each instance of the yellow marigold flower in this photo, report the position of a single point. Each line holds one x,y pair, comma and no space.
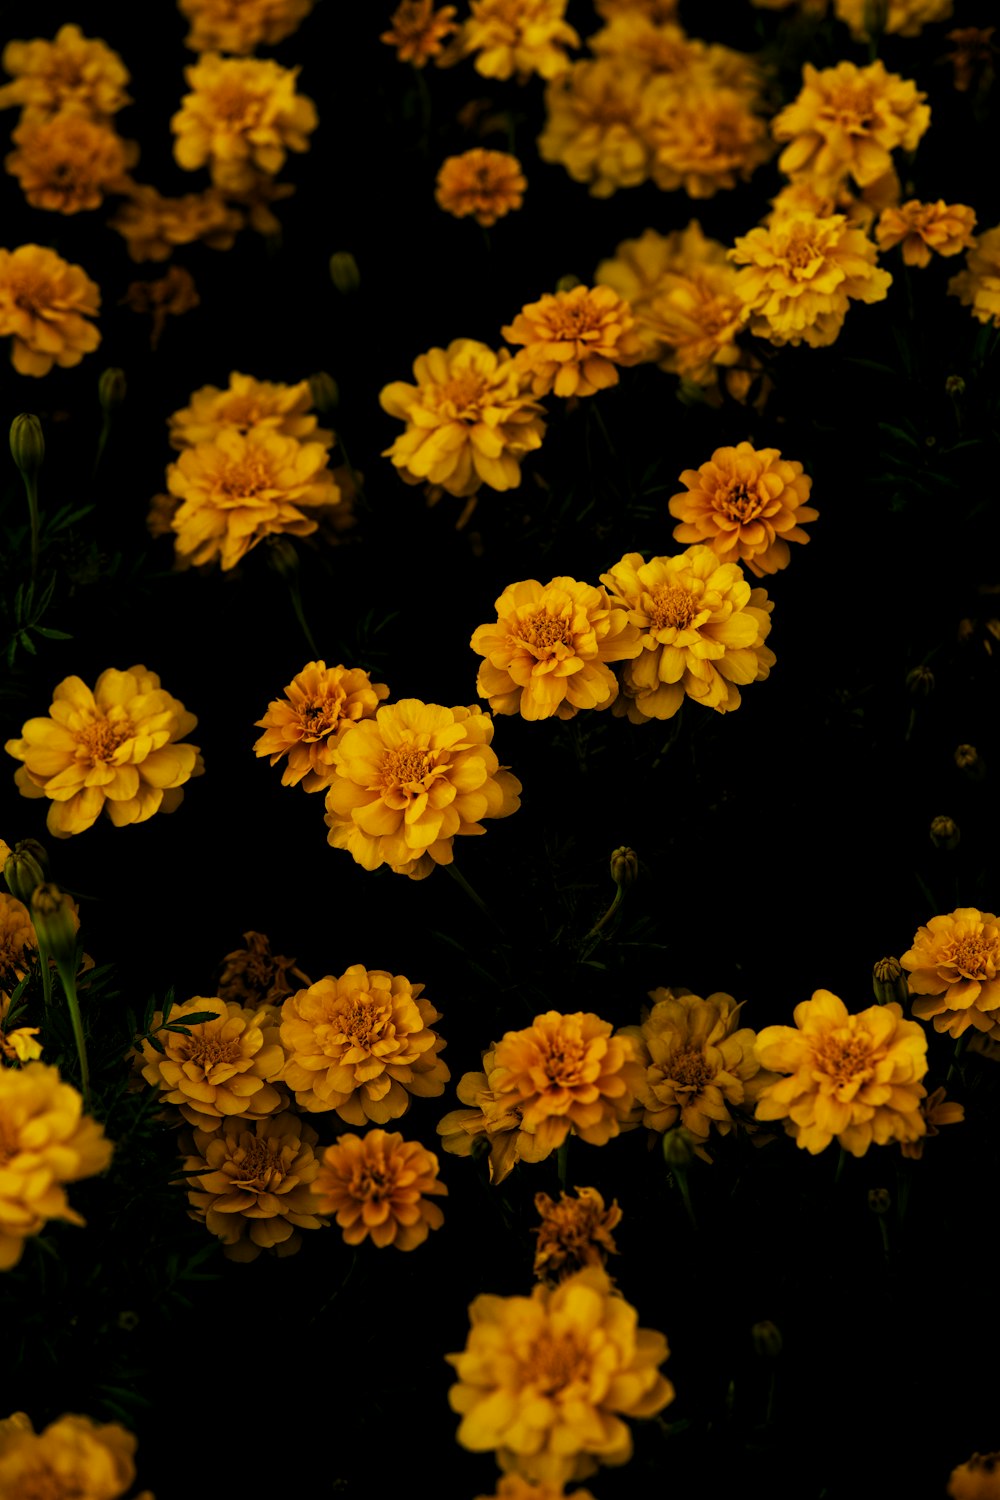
411,781
491,1118
575,340
486,184
469,420
516,1487
308,724
68,161
418,31
241,487
592,125
152,226
901,17
241,117
978,286
803,196
378,1185
45,303
74,1458
363,1045
656,10
937,1111
546,653
953,967
574,1233
167,297
747,505
923,227
113,749
226,1066
17,1044
241,25
253,1184
518,36
845,122
701,631
580,1344
17,939
853,1077
799,275
254,976
977,1479
70,71
634,36
47,1141
248,403
702,137
695,1062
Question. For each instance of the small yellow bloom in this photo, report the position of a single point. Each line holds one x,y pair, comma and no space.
224,1067
418,31
978,286
308,724
67,162
71,71
902,17
747,505
377,1185
17,1044
519,37
574,1233
923,227
954,969
45,304
592,125
241,117
485,184
516,1487
575,340
152,226
241,25
702,137
74,1458
113,749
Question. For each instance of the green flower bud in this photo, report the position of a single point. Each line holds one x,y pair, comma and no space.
568,282
27,443
945,833
879,1200
970,762
111,389
767,1340
344,272
25,868
678,1149
282,556
325,392
955,385
54,922
624,867
889,982
920,682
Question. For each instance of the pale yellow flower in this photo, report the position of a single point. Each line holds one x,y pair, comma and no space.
152,226
241,25
508,37
241,117
954,971
71,71
978,286
574,341
308,724
490,1119
45,305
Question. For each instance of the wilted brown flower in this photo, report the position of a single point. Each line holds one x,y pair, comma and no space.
575,1232
255,976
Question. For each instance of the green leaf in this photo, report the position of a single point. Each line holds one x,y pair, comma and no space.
50,634
195,1018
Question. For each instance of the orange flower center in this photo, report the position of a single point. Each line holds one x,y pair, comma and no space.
800,253
362,1021
670,605
461,397
208,1049
404,769
245,478
543,631
689,1069
739,500
555,1361
974,956
30,289
564,1060
257,1164
236,105
9,1143
244,411
851,108
373,1179
844,1057
103,737
318,716
578,321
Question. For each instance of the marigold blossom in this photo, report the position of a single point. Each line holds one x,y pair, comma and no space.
70,71
490,1119
937,1111
45,304
222,1067
254,976
241,25
574,1233
152,226
45,1141
73,1458
67,162
978,286
855,1078
656,10
702,137
592,125
241,117
244,404
519,37
574,341
308,724
377,1185
516,1487
18,1044
922,227
418,31
977,1479
636,37
954,971
485,184
747,505
114,749
545,1380
18,942
901,17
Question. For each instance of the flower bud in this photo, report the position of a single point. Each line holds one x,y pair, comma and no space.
879,1200
970,762
945,833
25,868
889,982
568,282
325,392
767,1340
27,443
111,389
282,556
920,682
624,867
678,1148
955,385
344,272
55,922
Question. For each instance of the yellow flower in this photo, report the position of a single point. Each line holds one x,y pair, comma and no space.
152,225
74,1458
937,1111
113,749
308,724
491,1118
656,10
515,1487
411,781
574,1233
902,17
592,125
702,136
17,939
222,1067
575,340
845,122
799,275
418,31
923,227
248,403
17,1044
518,36
240,487
702,631
953,967
746,504
70,71
545,1380
853,1077
486,184
978,286
241,25
636,37
241,117
977,1479
377,1184
468,419
47,1141
254,976
45,303
167,297
363,1045
68,161
546,653
252,1184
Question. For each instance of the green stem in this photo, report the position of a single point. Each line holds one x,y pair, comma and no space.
67,973
769,1409
472,894
595,930
680,1177
296,598
959,1049
102,443
838,1174
44,965
31,488
562,1163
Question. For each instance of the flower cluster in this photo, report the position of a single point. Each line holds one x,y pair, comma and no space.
574,1233
307,725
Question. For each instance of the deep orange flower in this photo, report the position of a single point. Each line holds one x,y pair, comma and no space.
574,341
74,1458
747,505
485,184
922,227
308,724
378,1185
67,162
255,976
418,31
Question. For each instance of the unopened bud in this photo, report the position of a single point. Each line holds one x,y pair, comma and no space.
344,272
879,1200
767,1340
624,867
25,868
27,443
111,389
889,982
955,385
945,833
966,630
325,392
920,682
568,282
970,762
678,1148
55,922
282,556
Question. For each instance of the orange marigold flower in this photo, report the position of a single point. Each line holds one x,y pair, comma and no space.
168,297
45,303
518,36
363,1044
254,976
491,1118
978,286
152,225
17,939
71,71
486,184
244,404
575,340
241,117
47,1141
799,275
547,650
900,17
580,1344
853,1077
113,749
224,1066
516,1487
241,25
308,723
251,1184
469,420
937,1111
701,631
411,781
845,122
923,227
592,125
747,505
574,1233
977,1479
418,31
74,1458
67,162
377,1184
954,969
702,137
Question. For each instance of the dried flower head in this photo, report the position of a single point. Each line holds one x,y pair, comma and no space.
954,969
521,37
418,31
221,1067
379,1186
307,725
485,184
922,227
747,504
973,56
168,296
241,25
574,341
241,118
592,125
978,286
574,1233
67,162
152,226
74,1458
71,71
253,976
45,304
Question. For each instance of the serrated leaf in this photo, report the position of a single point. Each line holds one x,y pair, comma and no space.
195,1018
